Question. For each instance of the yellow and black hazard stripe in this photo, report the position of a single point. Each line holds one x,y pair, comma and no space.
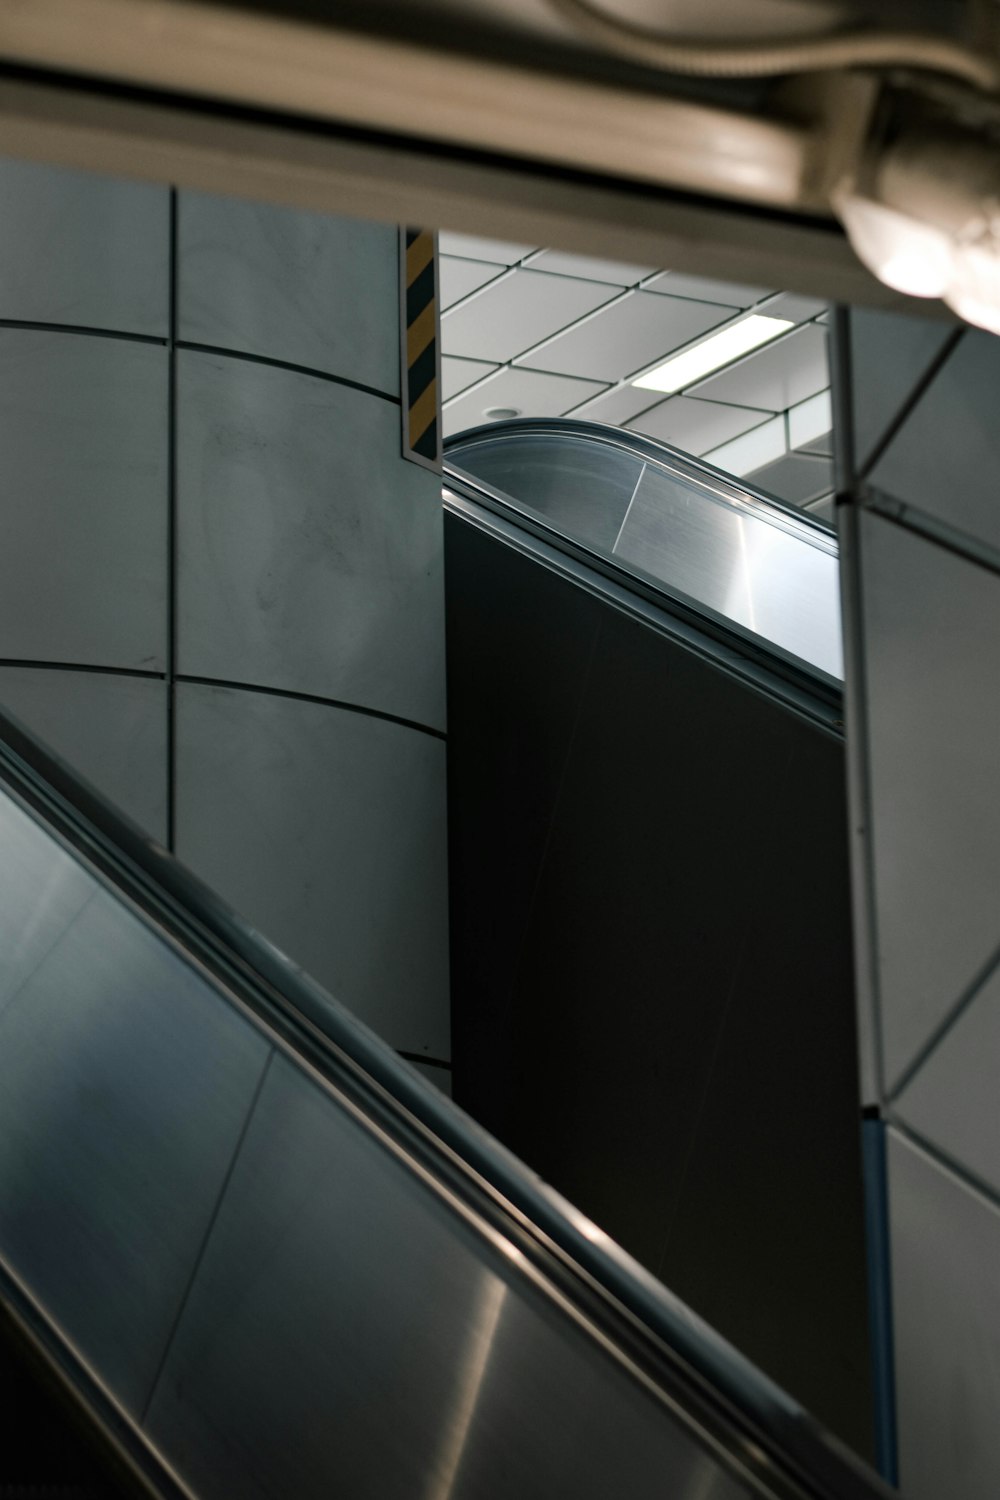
421,425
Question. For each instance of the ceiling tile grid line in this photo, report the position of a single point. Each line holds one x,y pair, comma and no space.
538,332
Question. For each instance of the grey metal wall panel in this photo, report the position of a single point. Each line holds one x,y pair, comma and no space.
310,552
945,458
952,1101
82,249
83,568
307,288
122,1097
109,728
345,1334
890,355
932,642
326,829
945,1291
41,892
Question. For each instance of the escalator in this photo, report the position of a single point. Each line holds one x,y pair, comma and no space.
652,961
259,1255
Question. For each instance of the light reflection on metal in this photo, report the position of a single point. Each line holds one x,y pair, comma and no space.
703,538
486,1318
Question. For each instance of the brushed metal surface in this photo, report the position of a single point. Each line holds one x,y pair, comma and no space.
945,1289
309,288
84,249
123,1090
326,829
932,636
943,460
890,355
309,550
110,728
771,580
41,892
346,1329
83,567
703,537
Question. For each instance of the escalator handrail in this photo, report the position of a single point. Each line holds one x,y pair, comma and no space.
669,459
770,1433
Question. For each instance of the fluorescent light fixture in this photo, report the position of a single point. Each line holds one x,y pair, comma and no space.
712,353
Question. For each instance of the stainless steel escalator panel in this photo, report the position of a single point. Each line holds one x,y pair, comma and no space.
347,1320
737,561
122,1098
694,533
279,1295
41,891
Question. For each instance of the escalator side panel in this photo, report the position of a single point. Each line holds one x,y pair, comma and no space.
672,1045
342,1310
122,1099
279,1294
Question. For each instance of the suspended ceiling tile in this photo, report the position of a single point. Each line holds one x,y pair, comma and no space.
796,309
957,415
522,392
458,374
952,1099
761,445
520,310
890,355
776,376
810,424
473,248
617,273
932,644
624,338
824,509
458,278
696,426
617,406
702,289
794,478
945,1241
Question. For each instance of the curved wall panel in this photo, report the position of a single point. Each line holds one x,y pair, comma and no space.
221,586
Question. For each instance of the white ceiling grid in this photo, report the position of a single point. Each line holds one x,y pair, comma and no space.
536,332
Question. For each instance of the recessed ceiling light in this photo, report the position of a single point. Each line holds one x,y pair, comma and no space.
712,353
501,413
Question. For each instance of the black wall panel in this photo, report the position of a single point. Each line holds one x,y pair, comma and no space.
651,957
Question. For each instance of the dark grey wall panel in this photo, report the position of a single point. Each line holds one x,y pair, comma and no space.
310,553
945,1291
122,1097
946,456
890,355
307,288
326,829
41,892
652,988
110,728
932,623
83,433
83,249
346,1332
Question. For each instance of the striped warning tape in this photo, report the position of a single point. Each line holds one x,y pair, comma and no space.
421,424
